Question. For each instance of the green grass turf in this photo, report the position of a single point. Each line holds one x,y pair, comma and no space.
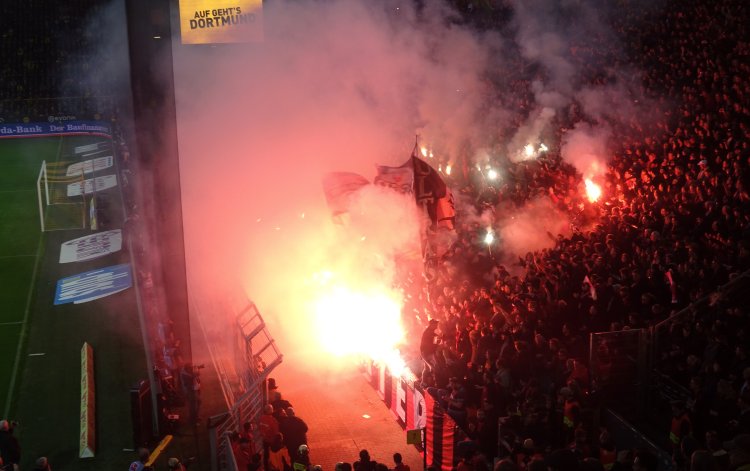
46,397
20,160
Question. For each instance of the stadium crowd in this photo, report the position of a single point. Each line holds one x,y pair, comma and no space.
49,66
510,342
506,350
506,347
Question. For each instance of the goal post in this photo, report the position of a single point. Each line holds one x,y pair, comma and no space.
42,171
61,196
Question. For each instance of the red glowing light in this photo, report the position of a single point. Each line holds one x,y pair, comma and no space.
360,321
593,191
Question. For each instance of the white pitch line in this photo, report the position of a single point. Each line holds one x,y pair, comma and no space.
14,375
12,323
36,354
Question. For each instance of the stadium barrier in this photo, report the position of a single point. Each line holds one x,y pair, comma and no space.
735,288
87,442
619,370
243,360
628,437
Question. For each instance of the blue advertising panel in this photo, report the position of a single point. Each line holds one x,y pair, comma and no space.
93,284
53,129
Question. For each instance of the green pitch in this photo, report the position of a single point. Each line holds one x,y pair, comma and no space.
20,243
40,343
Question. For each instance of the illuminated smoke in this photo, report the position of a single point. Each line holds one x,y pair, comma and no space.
336,86
586,148
532,227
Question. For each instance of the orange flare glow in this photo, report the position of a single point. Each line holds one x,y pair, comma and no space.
352,322
593,191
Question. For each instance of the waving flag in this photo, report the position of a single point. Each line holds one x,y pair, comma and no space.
433,194
339,187
400,178
430,191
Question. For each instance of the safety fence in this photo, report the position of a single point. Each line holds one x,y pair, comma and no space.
243,354
619,370
735,291
628,437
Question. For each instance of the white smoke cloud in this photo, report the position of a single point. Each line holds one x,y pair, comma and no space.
573,42
344,85
532,227
585,147
335,86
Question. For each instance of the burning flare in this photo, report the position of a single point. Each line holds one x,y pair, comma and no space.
593,191
528,150
489,237
359,321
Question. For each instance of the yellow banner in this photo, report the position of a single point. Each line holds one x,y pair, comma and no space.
221,21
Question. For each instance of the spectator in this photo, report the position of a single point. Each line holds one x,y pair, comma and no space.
190,389
302,460
10,449
399,464
702,460
140,463
364,463
645,461
295,432
427,347
278,456
243,453
174,464
269,428
279,403
42,464
739,452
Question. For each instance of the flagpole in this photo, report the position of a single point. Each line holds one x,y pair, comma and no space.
423,235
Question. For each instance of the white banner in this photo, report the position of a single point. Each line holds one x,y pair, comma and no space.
89,166
91,246
102,183
420,410
95,147
401,398
381,382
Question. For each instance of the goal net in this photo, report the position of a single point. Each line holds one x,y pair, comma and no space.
62,197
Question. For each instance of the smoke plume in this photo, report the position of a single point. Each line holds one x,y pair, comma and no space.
335,86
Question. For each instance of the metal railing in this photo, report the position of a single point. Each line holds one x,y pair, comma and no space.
243,356
687,315
618,366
